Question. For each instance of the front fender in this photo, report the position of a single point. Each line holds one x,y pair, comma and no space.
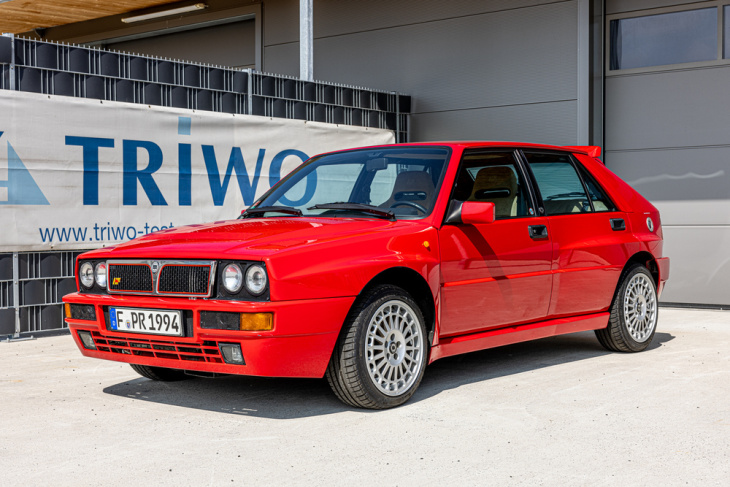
338,268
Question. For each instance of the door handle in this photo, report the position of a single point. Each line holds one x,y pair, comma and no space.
618,224
538,232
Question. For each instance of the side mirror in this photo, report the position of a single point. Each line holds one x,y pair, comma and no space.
475,212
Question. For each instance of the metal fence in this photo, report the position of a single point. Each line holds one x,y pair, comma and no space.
33,283
68,70
31,287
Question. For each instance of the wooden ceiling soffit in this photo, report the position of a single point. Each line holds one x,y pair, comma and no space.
18,16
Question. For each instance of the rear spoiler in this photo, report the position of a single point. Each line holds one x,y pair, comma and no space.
592,150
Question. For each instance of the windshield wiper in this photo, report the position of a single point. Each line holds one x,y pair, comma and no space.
373,210
271,209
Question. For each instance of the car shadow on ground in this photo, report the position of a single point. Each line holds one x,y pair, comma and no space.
297,398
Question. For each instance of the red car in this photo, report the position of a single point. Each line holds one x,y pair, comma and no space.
365,265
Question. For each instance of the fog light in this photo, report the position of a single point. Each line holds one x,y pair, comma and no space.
86,339
257,321
231,353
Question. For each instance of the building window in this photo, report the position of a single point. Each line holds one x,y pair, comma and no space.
726,33
670,38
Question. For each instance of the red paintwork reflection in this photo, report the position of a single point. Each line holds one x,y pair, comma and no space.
494,275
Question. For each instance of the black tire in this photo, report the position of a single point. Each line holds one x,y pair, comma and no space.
634,312
160,373
349,371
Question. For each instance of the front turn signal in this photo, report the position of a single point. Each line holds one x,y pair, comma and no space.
257,321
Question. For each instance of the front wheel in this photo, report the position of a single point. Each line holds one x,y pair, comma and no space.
634,313
381,354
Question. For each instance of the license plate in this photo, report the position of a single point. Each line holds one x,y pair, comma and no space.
151,321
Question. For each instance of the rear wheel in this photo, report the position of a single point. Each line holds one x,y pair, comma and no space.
381,354
159,373
634,312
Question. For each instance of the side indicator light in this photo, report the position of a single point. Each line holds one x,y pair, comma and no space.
67,307
257,321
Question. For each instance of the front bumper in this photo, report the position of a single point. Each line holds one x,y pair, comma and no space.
300,344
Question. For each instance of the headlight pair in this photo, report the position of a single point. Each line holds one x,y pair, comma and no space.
255,279
88,273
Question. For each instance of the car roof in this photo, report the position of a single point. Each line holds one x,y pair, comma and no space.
487,144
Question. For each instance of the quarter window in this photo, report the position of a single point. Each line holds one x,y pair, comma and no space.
600,201
559,184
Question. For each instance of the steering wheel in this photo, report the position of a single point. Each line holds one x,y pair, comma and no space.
411,204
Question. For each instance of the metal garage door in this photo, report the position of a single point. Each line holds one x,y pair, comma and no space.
667,131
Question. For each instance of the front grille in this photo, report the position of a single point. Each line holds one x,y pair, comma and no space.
184,279
162,277
130,277
188,352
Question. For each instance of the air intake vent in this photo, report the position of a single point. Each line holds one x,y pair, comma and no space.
192,278
135,278
184,279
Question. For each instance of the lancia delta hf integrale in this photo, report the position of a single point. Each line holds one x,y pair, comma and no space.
365,265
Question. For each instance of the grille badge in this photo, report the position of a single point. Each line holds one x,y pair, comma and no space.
155,267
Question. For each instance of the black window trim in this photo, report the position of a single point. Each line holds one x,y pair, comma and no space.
537,197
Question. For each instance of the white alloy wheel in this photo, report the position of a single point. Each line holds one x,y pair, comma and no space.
382,351
394,349
634,312
640,307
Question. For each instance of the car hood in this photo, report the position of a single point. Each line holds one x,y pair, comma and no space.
255,238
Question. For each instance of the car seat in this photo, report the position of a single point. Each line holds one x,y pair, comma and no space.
412,186
496,184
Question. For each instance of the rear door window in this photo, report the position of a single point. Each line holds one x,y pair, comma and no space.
561,188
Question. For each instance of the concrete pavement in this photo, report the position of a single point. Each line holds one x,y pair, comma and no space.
559,411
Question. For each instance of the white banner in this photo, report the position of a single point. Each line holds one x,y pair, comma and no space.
78,173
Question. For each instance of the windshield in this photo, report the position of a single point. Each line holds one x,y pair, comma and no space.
398,182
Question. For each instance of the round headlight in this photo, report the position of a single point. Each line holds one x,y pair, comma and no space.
86,275
100,274
256,279
232,278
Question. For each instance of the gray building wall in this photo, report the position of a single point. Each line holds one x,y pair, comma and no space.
667,134
490,69
476,69
230,44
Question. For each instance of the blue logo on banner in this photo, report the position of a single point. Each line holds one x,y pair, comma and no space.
136,152
22,188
